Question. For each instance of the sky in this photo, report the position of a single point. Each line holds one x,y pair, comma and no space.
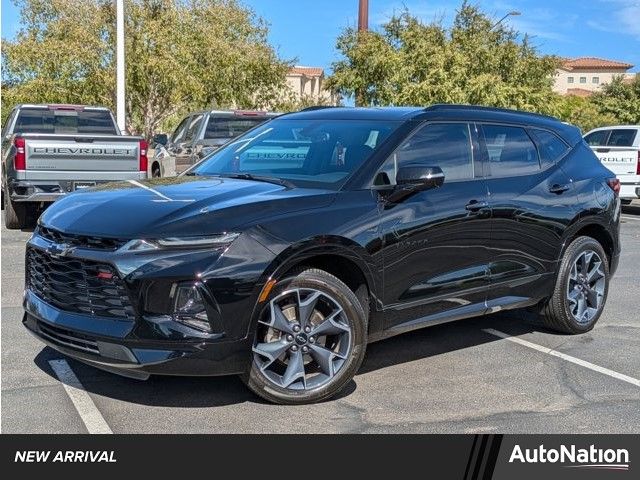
306,30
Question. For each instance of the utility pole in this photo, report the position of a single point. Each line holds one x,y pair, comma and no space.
120,93
363,26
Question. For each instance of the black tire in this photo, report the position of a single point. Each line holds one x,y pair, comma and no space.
557,313
321,281
15,214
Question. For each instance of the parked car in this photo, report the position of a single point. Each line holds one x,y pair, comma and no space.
281,255
198,135
51,150
618,148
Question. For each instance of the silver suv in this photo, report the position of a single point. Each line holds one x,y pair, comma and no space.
199,134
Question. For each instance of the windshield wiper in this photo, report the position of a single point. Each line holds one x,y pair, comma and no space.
258,178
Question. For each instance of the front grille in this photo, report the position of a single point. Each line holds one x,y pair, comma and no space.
82,241
67,338
77,285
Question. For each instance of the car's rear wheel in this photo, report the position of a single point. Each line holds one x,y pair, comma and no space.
581,288
15,214
310,340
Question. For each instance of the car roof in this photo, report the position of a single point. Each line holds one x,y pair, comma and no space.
615,127
440,112
239,113
60,106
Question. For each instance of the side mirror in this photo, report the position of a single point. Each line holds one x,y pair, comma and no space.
419,177
160,139
412,179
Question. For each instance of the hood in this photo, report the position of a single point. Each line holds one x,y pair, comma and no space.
178,206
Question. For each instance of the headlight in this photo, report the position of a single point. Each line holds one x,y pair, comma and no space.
213,241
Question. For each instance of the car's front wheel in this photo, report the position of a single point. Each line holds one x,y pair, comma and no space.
581,288
310,340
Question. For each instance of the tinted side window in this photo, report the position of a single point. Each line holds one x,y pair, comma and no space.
597,139
622,138
550,147
510,151
229,127
444,145
179,132
194,127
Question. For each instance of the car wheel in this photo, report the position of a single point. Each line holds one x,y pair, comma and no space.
15,214
581,288
310,340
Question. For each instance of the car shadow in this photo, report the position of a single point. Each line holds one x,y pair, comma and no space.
633,209
198,392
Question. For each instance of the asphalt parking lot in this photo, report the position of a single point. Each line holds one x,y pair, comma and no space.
457,377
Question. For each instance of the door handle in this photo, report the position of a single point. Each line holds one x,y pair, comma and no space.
557,188
474,205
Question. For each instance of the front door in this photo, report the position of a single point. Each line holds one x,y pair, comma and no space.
435,242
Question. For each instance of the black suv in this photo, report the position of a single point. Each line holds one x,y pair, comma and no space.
288,250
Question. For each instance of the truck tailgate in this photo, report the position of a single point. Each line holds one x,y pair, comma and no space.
78,153
623,161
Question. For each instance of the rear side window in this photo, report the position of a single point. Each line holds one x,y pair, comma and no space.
550,147
597,139
230,127
510,151
622,138
444,145
39,120
194,127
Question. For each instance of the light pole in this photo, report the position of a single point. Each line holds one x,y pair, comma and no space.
120,93
363,26
513,13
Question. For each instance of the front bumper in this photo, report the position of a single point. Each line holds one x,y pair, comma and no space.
108,344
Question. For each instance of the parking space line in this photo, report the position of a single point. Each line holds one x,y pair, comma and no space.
89,413
564,356
625,217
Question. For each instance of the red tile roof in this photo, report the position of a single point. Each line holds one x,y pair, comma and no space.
579,92
308,71
594,63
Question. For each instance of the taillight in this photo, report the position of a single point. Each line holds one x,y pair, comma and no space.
614,183
638,164
20,159
144,161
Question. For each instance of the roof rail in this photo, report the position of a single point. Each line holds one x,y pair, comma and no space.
446,106
316,107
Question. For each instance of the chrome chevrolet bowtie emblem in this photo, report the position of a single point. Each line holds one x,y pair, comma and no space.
59,250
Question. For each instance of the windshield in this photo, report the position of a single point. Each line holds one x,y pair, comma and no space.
306,153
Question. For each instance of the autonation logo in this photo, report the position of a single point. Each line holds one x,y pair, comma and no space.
574,457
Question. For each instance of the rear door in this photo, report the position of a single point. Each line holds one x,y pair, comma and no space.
618,150
531,201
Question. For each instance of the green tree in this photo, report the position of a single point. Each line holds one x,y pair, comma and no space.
620,99
181,55
472,62
580,111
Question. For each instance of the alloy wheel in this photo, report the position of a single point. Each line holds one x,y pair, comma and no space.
303,339
586,286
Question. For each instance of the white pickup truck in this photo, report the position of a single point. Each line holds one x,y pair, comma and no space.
52,150
618,148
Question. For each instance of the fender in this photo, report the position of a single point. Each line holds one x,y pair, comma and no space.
319,246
